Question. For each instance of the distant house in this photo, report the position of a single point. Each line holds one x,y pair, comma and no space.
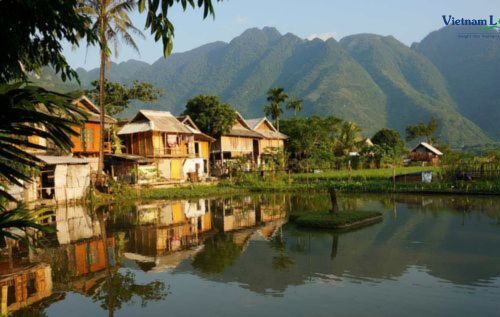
160,136
271,139
202,143
240,142
424,152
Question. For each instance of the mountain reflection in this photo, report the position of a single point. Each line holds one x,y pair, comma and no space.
103,253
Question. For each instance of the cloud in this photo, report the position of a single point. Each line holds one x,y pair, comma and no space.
323,36
240,20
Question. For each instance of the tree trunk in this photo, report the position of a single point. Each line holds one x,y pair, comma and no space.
333,199
100,165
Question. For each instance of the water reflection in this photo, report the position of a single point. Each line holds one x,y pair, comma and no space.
117,259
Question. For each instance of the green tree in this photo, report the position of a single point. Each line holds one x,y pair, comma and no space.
276,98
387,137
210,115
295,105
32,33
311,140
349,139
111,24
422,130
118,96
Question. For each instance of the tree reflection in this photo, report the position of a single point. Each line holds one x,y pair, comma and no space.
219,252
120,288
282,261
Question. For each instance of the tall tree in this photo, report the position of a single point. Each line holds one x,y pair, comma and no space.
422,130
118,96
388,138
349,138
276,98
32,33
210,115
295,105
111,24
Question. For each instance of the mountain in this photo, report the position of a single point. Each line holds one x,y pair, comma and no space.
373,80
471,68
414,87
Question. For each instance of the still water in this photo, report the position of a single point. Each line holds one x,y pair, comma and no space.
238,256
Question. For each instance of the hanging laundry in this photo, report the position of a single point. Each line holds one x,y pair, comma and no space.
171,140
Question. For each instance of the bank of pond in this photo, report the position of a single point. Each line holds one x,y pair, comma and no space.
238,254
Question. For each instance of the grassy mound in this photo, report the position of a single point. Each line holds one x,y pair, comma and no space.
339,220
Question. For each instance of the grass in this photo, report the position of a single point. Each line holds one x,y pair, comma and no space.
339,220
368,174
372,180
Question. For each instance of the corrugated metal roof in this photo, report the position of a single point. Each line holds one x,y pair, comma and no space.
135,127
55,160
151,120
429,147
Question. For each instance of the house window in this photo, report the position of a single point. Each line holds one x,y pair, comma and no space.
87,138
31,285
11,294
197,149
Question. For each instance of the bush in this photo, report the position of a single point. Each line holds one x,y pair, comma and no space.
339,220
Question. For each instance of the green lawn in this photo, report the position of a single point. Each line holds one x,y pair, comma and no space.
382,173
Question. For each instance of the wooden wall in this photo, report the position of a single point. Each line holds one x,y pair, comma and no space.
91,133
236,144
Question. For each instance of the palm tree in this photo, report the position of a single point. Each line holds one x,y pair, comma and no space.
112,24
295,105
29,111
276,97
349,138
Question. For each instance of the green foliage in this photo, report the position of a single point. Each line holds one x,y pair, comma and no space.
219,252
387,137
295,105
120,288
157,18
32,33
311,140
349,139
425,130
21,218
210,115
276,98
32,111
118,96
327,220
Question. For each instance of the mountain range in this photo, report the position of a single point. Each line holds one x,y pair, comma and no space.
375,81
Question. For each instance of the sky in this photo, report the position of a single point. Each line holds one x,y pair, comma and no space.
407,20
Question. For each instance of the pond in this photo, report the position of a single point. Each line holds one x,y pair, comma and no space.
238,256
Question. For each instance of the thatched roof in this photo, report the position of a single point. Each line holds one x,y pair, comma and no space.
198,135
242,129
272,133
151,120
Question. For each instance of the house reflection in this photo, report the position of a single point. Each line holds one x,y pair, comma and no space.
23,285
